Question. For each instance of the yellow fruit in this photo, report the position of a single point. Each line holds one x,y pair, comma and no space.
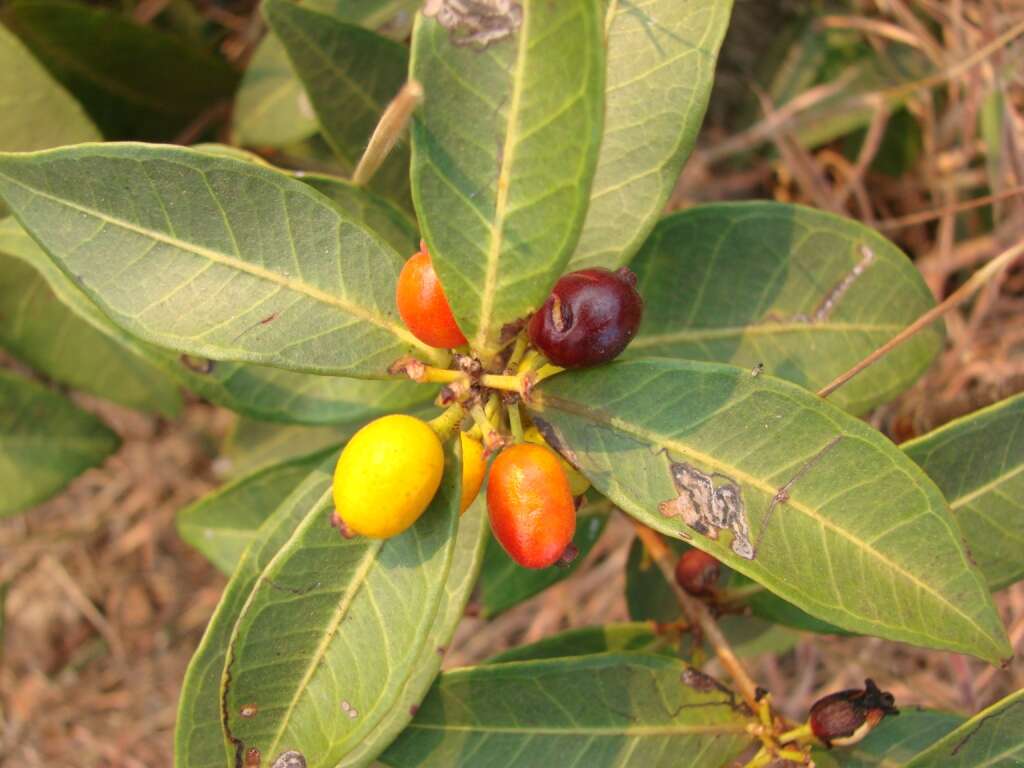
473,470
578,484
387,475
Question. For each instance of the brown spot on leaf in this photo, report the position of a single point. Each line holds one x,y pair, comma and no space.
290,759
477,23
707,509
248,710
253,757
197,364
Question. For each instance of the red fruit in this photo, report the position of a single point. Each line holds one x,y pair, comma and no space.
589,318
423,306
697,572
533,514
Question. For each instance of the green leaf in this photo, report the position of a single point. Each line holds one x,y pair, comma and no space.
252,445
504,150
275,394
377,213
860,537
773,608
894,741
359,611
363,612
272,109
42,332
661,65
135,81
993,737
45,442
215,257
747,637
786,286
350,74
466,562
632,636
223,523
504,584
35,110
199,738
978,463
603,710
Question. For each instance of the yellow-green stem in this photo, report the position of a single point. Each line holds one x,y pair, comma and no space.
515,422
504,382
800,734
433,375
389,129
446,423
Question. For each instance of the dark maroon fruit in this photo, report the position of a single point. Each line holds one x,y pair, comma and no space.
846,717
589,318
697,572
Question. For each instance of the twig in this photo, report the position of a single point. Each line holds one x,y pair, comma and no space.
958,297
936,213
698,615
386,134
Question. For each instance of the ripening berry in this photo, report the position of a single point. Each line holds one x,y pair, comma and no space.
844,718
423,306
589,318
532,512
578,483
473,470
697,572
387,475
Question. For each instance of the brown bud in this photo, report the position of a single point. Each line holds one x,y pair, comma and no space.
697,572
846,717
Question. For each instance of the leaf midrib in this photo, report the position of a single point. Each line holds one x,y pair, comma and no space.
649,730
742,476
981,490
355,585
758,329
234,263
501,198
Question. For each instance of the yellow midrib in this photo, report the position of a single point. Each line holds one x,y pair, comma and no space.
229,261
743,477
501,198
981,490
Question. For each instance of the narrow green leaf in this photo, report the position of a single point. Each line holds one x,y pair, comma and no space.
603,710
350,74
747,636
632,636
504,584
806,293
993,738
378,213
215,257
45,442
199,738
332,631
252,445
42,332
135,81
275,394
859,536
272,109
893,742
661,65
222,524
35,110
978,463
466,562
504,150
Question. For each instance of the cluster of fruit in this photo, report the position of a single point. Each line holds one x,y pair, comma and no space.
391,469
